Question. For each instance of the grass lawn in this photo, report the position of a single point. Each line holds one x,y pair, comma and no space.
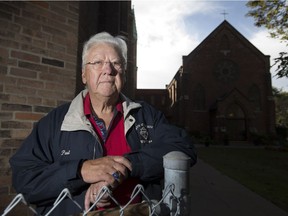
262,171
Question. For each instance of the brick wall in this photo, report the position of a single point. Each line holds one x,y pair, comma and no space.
38,55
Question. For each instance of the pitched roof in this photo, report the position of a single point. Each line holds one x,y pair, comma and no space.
226,25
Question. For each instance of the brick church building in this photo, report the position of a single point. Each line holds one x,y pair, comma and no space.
222,90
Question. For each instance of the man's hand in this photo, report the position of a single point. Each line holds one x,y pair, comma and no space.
104,169
107,171
92,193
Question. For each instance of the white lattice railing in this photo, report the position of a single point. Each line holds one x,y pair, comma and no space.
175,197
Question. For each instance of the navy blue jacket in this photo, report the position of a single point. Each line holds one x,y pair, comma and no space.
47,162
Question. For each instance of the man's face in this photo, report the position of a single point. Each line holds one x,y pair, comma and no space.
103,71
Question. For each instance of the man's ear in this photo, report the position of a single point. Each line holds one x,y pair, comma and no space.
84,77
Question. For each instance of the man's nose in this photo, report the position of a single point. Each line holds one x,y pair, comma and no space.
108,68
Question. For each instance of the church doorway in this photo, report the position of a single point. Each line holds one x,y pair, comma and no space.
235,123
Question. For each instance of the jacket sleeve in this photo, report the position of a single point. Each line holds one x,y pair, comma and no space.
35,171
147,161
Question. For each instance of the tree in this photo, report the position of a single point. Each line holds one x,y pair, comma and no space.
281,107
273,14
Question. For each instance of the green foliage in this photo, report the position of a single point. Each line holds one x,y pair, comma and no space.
281,107
273,15
282,65
282,134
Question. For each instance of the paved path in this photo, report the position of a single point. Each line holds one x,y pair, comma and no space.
214,194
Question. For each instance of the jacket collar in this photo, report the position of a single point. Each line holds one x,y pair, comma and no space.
128,105
76,120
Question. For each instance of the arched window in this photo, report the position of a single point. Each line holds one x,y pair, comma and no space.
199,98
224,45
173,92
255,96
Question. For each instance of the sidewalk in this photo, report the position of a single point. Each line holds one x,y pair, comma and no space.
214,194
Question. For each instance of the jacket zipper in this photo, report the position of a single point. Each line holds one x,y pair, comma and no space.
96,140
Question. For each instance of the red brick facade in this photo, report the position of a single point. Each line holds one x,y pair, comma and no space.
37,72
223,89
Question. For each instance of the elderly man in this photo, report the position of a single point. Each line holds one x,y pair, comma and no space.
101,138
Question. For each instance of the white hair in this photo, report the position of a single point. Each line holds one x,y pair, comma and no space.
118,42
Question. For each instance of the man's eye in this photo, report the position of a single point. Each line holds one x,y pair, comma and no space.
116,63
98,63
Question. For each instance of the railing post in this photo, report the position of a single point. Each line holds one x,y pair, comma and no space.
176,168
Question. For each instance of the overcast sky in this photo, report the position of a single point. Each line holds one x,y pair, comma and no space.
169,29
